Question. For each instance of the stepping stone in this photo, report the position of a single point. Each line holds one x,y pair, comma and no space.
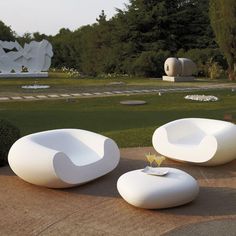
16,98
4,98
64,95
108,93
53,96
86,94
29,97
97,93
133,102
41,96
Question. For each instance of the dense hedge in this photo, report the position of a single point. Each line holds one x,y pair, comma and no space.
8,135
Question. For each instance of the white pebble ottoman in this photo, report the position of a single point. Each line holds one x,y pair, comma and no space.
152,192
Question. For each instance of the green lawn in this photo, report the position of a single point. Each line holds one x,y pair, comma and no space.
128,125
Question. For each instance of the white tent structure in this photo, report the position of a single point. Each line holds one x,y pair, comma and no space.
196,140
63,158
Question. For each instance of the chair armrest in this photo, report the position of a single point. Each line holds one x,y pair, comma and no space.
33,162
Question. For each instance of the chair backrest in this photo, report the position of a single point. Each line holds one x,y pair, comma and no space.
64,141
182,130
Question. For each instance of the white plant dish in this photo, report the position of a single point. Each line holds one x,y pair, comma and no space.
35,86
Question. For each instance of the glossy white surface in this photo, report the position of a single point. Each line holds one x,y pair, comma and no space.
63,158
155,192
196,140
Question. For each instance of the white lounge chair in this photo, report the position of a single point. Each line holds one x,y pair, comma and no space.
63,158
196,140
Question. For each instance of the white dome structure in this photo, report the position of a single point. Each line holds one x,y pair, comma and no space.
63,158
196,140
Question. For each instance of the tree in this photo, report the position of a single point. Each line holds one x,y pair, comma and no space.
223,20
6,34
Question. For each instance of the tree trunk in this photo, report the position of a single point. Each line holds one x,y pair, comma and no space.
232,72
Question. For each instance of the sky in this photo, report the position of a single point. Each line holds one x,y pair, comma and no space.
48,16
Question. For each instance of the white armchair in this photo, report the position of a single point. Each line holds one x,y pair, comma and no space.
63,158
196,140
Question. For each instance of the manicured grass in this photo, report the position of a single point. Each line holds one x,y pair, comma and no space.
127,125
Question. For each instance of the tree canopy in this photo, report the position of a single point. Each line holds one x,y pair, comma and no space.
6,34
137,40
223,21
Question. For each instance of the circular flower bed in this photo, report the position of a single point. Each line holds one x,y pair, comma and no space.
202,98
35,86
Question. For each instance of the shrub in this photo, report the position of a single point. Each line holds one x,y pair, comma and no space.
150,63
202,57
215,71
8,135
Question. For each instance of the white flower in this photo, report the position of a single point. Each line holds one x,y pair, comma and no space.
202,98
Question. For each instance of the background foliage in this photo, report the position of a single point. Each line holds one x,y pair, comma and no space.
138,39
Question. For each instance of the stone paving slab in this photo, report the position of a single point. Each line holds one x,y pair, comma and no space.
4,98
96,208
16,98
29,97
87,94
65,95
41,96
53,96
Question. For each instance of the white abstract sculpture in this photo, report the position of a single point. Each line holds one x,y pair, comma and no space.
35,57
179,69
151,192
196,140
63,158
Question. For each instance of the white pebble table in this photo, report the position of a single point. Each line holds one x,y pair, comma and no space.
156,192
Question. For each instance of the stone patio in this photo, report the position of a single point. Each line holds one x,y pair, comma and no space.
97,209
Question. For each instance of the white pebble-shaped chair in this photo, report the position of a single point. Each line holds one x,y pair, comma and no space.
63,158
196,140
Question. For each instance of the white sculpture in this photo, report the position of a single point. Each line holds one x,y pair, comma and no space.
195,140
63,158
180,69
35,57
154,192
